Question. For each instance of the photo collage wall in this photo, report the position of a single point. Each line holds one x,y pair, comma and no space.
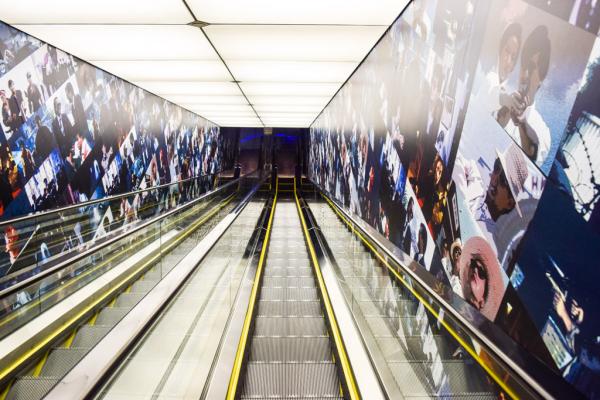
470,138
71,132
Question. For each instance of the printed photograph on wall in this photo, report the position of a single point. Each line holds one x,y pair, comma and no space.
528,75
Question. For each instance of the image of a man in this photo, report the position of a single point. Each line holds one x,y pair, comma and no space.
61,127
500,197
77,110
34,95
43,140
481,277
526,125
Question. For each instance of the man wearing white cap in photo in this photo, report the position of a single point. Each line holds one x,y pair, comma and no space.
506,182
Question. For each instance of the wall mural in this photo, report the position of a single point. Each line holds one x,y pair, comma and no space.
71,132
470,138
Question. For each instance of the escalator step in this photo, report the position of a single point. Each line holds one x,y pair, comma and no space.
293,326
286,349
276,308
88,336
301,380
109,316
298,294
290,281
30,388
289,271
61,360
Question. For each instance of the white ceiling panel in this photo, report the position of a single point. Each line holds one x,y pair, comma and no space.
264,110
94,12
165,70
223,107
293,43
126,42
174,88
206,99
289,89
345,12
289,100
291,71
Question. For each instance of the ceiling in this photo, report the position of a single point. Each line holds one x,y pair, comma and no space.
259,63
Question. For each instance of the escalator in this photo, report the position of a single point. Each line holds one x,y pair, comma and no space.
420,357
290,352
288,349
174,357
176,236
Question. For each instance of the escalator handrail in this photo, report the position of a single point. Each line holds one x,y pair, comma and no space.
43,214
345,365
19,286
515,367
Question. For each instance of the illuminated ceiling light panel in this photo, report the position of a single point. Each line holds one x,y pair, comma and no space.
223,107
293,43
289,89
319,101
126,42
288,115
94,12
191,100
291,71
345,12
287,109
165,88
229,115
167,70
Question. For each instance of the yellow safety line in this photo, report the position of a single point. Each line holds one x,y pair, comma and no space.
335,330
450,330
239,356
112,291
38,368
69,342
94,318
39,300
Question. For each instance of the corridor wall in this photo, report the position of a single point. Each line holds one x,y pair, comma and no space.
71,132
470,139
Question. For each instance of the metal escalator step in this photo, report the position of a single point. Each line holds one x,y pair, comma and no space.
290,326
128,299
301,380
30,388
109,316
61,360
268,293
274,308
289,271
292,281
88,336
290,349
465,379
